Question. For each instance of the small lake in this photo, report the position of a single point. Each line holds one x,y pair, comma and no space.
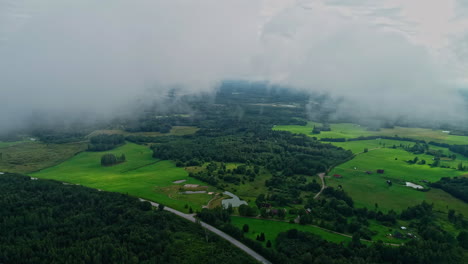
235,201
415,186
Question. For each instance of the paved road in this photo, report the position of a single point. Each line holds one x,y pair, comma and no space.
220,233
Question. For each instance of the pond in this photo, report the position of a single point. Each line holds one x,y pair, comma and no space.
235,201
192,192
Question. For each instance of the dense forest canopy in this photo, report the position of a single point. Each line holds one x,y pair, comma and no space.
49,222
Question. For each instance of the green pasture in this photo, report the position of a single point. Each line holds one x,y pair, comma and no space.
348,130
10,143
271,229
369,189
141,176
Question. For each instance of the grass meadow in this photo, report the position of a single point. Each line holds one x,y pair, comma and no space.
348,130
32,156
367,190
141,175
271,229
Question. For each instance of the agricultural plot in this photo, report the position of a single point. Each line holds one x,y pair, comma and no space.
141,176
348,130
10,143
271,229
32,156
369,189
175,131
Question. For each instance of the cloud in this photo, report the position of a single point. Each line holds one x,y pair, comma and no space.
388,57
379,72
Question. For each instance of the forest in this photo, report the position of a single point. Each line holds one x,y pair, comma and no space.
105,142
458,187
48,222
293,246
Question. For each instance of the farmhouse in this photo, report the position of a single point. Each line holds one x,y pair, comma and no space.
337,176
380,171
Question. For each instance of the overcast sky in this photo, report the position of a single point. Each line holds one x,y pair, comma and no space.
393,57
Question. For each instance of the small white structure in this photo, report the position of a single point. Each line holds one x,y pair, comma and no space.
446,131
414,186
403,228
1,173
34,179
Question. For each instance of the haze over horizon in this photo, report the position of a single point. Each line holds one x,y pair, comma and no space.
383,57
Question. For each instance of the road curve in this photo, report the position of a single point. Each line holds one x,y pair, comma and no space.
321,175
213,229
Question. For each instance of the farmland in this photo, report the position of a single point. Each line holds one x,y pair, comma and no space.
175,131
141,176
371,190
24,157
348,130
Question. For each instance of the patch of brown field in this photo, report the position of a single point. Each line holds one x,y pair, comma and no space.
33,156
216,201
175,131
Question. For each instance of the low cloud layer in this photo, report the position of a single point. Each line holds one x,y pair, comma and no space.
69,56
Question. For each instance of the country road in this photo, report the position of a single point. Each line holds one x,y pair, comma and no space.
321,175
218,232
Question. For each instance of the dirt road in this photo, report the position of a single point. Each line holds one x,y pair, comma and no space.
322,176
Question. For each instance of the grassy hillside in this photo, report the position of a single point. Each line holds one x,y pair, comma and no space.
140,175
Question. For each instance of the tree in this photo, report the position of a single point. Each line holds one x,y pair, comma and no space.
108,159
264,213
268,244
230,209
262,237
160,207
281,213
245,228
190,210
463,239
366,150
460,166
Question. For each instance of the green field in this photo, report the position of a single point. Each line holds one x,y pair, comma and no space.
368,189
10,143
32,156
273,228
141,176
348,130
